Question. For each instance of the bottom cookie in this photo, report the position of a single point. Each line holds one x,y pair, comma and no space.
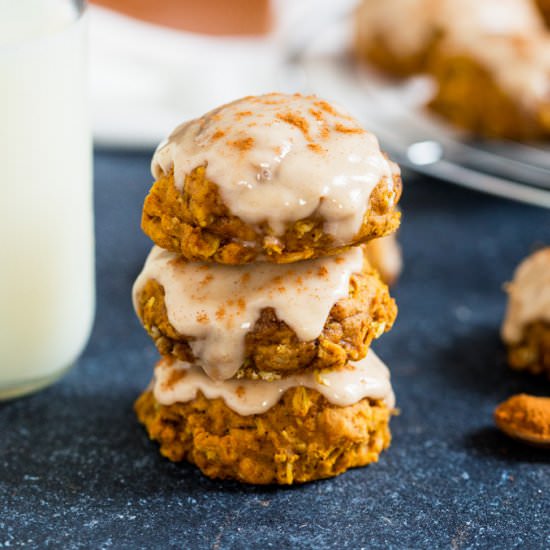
303,437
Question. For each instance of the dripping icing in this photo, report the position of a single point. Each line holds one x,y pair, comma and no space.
216,305
179,382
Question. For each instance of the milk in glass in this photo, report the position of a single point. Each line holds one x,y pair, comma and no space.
46,229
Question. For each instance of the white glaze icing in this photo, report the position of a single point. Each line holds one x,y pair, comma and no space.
506,36
216,305
179,382
280,158
529,296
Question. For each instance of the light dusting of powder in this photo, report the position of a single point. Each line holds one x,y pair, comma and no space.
366,378
280,158
216,307
529,296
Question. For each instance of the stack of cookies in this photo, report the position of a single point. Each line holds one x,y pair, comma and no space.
259,296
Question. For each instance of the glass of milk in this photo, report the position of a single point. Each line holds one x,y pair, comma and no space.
46,223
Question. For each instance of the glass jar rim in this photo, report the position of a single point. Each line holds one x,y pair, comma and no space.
80,9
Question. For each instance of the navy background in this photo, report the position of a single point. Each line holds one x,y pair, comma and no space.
77,471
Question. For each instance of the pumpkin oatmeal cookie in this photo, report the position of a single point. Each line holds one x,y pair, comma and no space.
276,178
271,346
302,437
489,59
526,327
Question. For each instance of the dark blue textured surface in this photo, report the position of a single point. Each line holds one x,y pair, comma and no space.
76,470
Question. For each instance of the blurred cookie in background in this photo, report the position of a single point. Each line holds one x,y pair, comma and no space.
385,256
526,327
489,59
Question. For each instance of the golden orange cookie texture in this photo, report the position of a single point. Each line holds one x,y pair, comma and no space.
277,178
262,296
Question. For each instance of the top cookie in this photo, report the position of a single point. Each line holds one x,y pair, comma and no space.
276,177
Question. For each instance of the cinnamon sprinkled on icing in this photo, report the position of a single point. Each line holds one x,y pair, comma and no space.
327,107
242,114
297,121
174,376
316,147
243,144
346,130
322,271
202,318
